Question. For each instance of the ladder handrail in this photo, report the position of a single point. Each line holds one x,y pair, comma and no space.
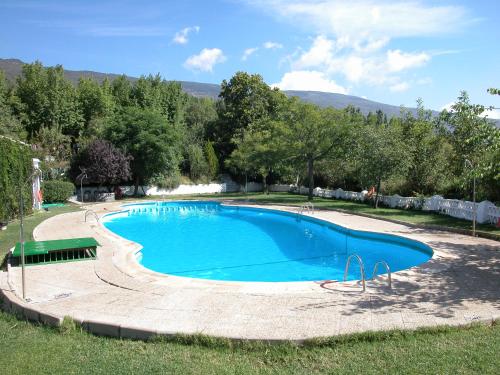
384,263
91,212
361,266
308,207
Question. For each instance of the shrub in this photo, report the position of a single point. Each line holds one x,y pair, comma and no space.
57,191
16,166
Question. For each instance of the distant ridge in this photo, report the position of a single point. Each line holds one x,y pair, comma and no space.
13,67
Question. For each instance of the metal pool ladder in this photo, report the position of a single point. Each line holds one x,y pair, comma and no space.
87,212
361,266
307,207
384,263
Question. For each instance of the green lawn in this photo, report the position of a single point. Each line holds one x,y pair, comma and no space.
408,216
39,350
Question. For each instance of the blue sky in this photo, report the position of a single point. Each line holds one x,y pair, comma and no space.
388,51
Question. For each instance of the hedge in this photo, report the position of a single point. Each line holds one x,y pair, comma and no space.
57,191
16,166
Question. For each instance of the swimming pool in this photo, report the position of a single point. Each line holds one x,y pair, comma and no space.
211,241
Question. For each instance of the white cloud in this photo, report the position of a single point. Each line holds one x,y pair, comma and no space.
398,60
272,45
309,80
400,87
493,113
362,18
248,52
205,60
358,63
181,37
320,54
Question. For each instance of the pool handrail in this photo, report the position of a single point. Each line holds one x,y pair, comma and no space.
361,266
91,212
384,263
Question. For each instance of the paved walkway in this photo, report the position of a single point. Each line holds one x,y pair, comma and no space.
115,296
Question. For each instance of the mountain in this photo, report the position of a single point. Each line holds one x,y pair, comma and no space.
12,68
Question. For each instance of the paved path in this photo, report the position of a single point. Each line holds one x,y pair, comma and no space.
115,296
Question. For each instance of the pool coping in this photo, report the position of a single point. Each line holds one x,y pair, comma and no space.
119,269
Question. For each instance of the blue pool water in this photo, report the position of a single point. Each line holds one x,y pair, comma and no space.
212,241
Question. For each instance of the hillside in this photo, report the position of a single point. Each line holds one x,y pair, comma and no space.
12,68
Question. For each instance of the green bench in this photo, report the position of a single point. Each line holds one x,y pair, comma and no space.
56,251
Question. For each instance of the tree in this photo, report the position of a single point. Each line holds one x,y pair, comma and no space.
148,137
382,154
245,99
95,102
428,152
313,134
48,100
103,164
200,115
9,124
167,98
260,149
476,139
198,166
212,161
122,91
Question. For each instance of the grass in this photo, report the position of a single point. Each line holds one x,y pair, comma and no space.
408,216
30,348
43,350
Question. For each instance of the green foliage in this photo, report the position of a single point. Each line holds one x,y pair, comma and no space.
9,124
96,103
167,181
198,166
102,163
167,98
48,100
476,144
149,139
16,167
245,99
57,191
212,161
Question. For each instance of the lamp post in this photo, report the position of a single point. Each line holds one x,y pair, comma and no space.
468,162
21,230
82,176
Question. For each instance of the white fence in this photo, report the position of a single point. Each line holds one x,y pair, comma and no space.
486,212
90,192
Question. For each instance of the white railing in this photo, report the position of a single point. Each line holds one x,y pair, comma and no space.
486,212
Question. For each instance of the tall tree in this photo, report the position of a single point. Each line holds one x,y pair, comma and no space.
382,154
313,134
148,137
48,99
245,99
95,102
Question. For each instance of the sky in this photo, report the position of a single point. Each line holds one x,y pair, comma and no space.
388,51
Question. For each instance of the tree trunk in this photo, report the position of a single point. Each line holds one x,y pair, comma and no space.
377,194
264,181
310,175
136,186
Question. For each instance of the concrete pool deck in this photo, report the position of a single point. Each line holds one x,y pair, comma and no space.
115,296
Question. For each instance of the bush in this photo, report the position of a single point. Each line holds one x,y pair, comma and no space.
16,166
57,191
